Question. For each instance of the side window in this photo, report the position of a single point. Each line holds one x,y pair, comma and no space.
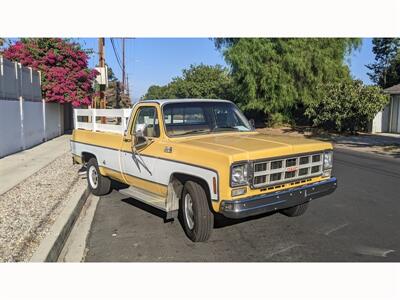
147,121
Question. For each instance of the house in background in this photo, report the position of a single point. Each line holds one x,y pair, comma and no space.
388,120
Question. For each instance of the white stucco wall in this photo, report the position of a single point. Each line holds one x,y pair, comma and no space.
53,120
38,122
33,128
25,120
10,127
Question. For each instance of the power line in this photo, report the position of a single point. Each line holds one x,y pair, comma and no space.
115,45
116,53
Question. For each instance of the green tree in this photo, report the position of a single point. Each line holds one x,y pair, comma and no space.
280,76
347,106
385,71
110,74
199,81
111,95
157,92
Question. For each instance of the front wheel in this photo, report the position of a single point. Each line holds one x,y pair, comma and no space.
99,185
295,211
195,214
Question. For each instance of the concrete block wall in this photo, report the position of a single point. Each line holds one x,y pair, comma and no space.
25,119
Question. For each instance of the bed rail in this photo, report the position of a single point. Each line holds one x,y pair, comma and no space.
116,120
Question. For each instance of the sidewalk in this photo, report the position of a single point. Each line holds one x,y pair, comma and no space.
369,139
17,167
378,143
385,144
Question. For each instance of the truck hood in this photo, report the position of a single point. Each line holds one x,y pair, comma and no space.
250,146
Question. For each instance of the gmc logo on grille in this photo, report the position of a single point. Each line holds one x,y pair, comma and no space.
291,169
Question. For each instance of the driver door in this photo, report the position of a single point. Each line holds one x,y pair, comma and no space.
138,165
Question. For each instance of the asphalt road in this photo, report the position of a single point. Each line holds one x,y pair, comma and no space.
360,221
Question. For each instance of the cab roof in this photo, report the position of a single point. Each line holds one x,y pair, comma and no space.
164,101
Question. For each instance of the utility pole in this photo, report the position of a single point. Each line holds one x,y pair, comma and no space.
102,87
123,67
117,95
127,84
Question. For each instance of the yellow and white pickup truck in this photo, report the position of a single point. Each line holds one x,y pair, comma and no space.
194,158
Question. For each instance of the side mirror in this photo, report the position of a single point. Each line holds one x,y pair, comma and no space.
252,124
140,140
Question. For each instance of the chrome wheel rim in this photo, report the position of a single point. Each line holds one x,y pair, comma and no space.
189,211
93,177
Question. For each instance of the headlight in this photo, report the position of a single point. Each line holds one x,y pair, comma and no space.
328,160
239,175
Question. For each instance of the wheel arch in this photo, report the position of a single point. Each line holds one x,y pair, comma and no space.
86,156
175,187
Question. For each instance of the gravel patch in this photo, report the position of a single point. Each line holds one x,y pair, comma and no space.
28,210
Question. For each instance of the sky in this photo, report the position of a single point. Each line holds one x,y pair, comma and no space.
359,59
155,61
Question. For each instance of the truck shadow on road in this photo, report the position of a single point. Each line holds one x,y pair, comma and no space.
116,185
148,208
219,220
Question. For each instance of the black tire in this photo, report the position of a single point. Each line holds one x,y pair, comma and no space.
103,186
295,211
202,216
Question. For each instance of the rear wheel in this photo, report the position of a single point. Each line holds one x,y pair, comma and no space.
195,214
295,211
99,185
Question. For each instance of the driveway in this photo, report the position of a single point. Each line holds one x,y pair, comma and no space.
359,222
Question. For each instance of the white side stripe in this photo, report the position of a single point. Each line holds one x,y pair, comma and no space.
160,169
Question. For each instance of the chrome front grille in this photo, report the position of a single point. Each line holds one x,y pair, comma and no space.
276,171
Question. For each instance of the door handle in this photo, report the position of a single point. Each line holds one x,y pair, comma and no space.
127,139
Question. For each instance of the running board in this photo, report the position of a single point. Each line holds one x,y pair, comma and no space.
149,198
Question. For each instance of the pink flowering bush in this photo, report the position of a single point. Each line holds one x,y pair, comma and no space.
66,77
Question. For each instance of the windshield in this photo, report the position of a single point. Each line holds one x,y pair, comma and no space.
203,117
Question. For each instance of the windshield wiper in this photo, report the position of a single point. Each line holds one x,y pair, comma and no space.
222,128
193,131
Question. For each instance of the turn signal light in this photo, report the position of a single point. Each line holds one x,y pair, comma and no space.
238,192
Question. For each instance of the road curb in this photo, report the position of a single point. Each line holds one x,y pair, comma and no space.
50,248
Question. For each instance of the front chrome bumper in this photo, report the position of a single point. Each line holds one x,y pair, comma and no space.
251,206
